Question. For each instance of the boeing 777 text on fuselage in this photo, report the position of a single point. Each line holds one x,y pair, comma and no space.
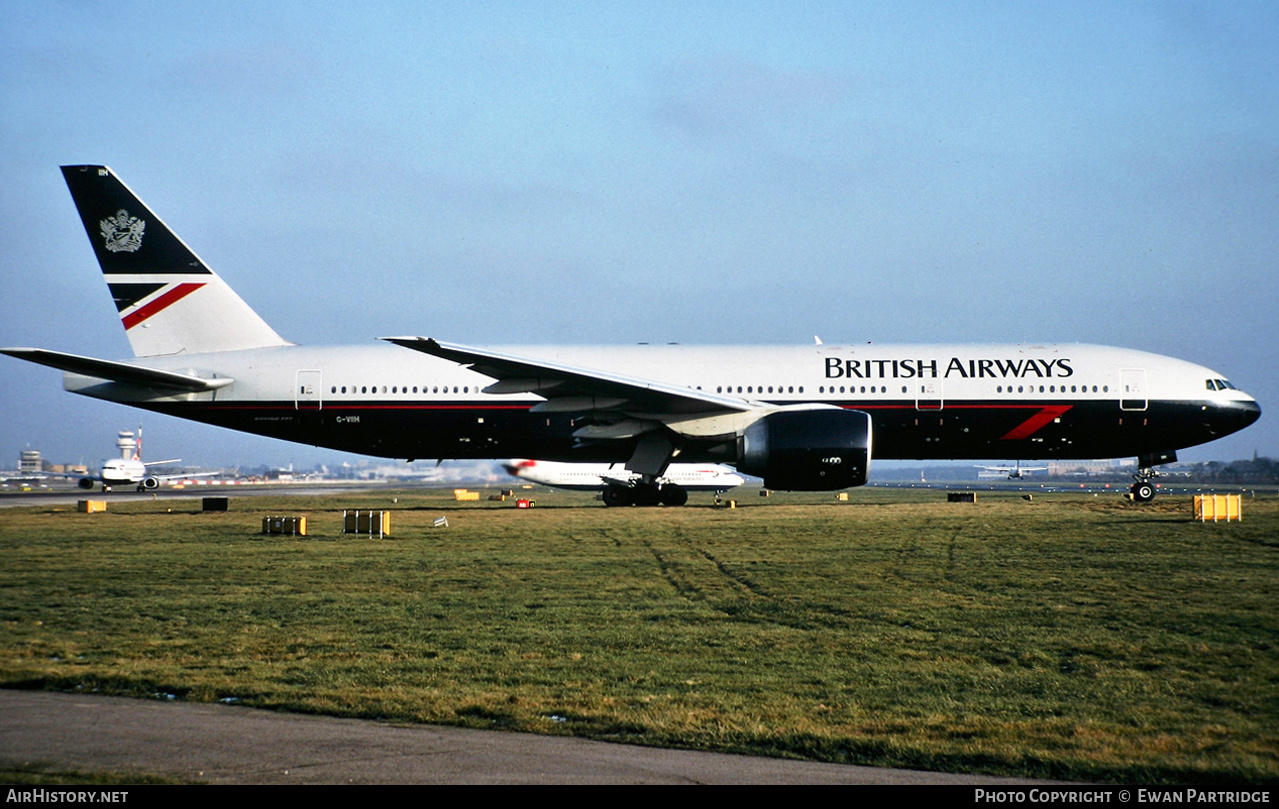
800,417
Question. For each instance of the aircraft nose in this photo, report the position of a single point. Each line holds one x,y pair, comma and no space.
1234,416
1252,412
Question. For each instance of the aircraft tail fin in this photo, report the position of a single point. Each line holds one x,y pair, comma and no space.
169,301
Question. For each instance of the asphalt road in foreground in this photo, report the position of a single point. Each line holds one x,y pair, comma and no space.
223,744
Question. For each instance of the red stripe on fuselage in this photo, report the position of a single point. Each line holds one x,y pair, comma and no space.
158,305
1031,425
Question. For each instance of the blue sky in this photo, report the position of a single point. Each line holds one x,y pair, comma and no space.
616,172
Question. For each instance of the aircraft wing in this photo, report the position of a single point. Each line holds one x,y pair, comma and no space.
1013,468
570,388
42,475
185,476
116,371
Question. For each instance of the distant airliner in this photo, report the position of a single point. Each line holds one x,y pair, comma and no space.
127,470
800,417
1015,472
620,485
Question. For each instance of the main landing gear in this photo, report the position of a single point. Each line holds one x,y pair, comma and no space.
644,494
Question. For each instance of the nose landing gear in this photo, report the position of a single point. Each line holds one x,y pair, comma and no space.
1143,490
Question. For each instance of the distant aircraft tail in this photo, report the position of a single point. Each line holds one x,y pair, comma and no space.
168,300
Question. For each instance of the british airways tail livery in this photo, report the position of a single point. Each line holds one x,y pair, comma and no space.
800,417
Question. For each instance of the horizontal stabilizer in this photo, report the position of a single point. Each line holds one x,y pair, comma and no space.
117,371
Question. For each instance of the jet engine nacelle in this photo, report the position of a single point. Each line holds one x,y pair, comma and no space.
85,483
149,484
807,450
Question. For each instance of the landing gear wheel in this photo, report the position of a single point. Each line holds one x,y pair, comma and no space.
673,496
617,496
1143,492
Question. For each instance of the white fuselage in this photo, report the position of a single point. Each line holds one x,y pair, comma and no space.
123,472
925,401
785,375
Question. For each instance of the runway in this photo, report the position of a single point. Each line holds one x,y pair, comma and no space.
224,744
68,495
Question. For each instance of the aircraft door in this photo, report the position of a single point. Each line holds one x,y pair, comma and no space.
308,390
1132,389
928,395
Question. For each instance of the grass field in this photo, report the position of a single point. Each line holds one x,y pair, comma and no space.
1071,636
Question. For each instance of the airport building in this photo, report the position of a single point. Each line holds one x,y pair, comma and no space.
29,462
1107,467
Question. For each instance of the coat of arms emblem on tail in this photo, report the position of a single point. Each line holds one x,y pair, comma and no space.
123,233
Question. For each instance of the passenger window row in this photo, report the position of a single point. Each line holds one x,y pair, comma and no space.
758,389
1052,389
400,389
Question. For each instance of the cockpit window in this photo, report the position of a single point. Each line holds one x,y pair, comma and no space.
1220,384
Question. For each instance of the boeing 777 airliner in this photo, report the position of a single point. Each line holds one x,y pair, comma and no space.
800,417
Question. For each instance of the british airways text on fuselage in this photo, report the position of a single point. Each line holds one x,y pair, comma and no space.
847,368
